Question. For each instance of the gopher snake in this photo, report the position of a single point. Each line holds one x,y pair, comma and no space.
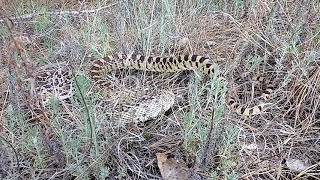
103,66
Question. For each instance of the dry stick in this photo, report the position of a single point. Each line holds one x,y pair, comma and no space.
74,13
3,107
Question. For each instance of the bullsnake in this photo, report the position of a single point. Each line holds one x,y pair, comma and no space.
103,66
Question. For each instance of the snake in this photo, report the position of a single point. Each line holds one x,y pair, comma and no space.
103,66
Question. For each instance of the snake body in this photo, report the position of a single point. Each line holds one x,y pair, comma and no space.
157,64
103,66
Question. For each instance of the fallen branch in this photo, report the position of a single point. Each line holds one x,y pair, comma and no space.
72,13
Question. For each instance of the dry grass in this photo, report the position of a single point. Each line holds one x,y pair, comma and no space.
279,40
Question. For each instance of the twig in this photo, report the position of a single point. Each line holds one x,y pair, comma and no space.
2,110
72,13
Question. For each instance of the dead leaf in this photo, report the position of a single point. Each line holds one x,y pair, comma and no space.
296,165
18,43
172,169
